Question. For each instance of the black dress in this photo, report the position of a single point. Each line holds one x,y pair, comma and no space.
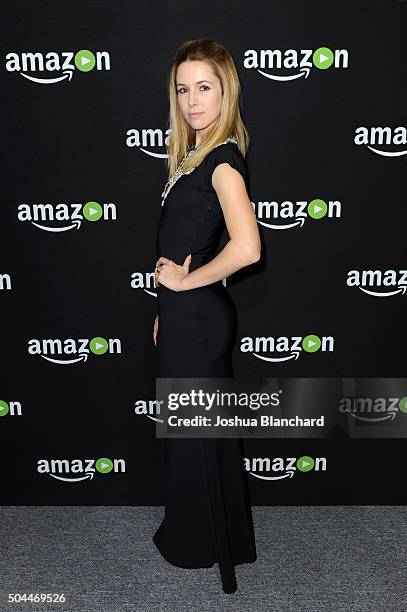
208,515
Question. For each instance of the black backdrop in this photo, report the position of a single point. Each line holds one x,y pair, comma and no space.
72,136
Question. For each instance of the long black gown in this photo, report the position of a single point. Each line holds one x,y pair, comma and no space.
208,515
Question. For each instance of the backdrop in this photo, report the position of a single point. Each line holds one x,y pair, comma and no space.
85,124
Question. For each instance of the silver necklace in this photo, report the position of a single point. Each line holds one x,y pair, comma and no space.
178,173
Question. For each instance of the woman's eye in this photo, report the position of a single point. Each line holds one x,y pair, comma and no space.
183,88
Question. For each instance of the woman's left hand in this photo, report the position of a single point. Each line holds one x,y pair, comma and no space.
171,274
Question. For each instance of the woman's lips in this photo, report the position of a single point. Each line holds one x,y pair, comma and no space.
195,114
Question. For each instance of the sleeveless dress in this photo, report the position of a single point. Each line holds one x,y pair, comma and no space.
208,515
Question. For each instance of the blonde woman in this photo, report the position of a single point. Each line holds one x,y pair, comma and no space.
208,517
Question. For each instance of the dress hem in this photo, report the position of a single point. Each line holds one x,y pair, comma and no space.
201,566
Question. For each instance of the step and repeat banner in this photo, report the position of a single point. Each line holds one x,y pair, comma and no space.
322,316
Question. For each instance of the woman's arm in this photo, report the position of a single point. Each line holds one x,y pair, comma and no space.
244,246
155,330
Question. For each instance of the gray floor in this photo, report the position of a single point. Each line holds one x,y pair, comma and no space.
310,559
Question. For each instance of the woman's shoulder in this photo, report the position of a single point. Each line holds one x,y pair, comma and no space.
228,147
227,152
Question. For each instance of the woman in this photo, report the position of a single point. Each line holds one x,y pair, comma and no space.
208,515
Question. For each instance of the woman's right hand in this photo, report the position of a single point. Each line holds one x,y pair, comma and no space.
155,330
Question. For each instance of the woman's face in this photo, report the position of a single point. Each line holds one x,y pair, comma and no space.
198,91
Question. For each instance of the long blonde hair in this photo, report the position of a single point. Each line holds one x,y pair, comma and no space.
229,124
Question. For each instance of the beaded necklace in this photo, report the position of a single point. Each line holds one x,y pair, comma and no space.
178,173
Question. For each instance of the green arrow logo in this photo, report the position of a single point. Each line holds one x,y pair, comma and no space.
84,60
92,211
98,345
4,408
317,208
104,465
323,58
305,463
311,343
403,404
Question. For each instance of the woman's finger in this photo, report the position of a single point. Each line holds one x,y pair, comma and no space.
162,260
